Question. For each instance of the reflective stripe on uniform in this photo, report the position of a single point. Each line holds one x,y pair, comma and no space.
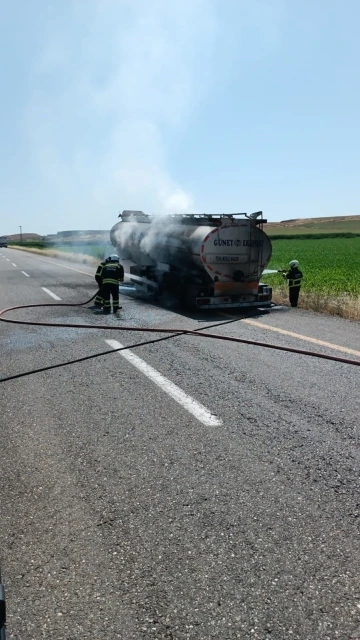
110,281
294,283
99,269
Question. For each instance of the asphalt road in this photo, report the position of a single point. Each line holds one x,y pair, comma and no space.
192,489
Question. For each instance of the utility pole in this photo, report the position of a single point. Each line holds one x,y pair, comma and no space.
21,235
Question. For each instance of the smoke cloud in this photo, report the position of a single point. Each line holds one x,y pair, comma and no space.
125,79
146,235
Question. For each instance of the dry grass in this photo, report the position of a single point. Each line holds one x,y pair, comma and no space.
299,226
344,306
80,258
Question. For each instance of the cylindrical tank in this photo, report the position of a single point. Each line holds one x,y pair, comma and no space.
229,250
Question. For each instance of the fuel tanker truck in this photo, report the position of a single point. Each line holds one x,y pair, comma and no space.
205,261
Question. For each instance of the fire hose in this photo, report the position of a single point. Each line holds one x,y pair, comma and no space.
170,333
2,611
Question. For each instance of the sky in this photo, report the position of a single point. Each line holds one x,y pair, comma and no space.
177,106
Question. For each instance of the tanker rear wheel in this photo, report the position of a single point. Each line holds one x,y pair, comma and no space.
189,298
171,292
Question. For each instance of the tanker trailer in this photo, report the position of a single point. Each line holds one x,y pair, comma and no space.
201,260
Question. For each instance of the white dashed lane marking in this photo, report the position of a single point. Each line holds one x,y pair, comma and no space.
14,265
25,274
50,293
187,402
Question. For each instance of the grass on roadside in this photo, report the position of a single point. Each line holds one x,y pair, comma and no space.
331,268
80,258
344,306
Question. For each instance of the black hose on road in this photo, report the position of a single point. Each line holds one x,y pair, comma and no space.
173,333
2,610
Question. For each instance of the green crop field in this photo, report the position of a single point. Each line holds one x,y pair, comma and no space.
330,266
95,250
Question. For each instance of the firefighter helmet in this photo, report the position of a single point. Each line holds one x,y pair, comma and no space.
113,258
294,263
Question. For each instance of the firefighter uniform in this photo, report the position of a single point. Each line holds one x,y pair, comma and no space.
111,274
294,277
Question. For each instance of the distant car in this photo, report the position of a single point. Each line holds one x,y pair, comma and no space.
3,244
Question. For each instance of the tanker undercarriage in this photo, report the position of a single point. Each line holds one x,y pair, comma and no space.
195,261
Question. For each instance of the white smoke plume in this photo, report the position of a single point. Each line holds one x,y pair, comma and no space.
121,96
146,235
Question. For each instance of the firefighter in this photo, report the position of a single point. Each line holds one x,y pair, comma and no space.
111,274
294,277
99,300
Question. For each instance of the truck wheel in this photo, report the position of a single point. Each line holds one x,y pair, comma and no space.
171,293
189,298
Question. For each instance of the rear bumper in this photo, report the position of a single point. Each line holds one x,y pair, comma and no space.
219,303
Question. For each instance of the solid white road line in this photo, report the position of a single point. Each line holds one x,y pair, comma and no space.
14,265
187,402
53,295
299,336
25,274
